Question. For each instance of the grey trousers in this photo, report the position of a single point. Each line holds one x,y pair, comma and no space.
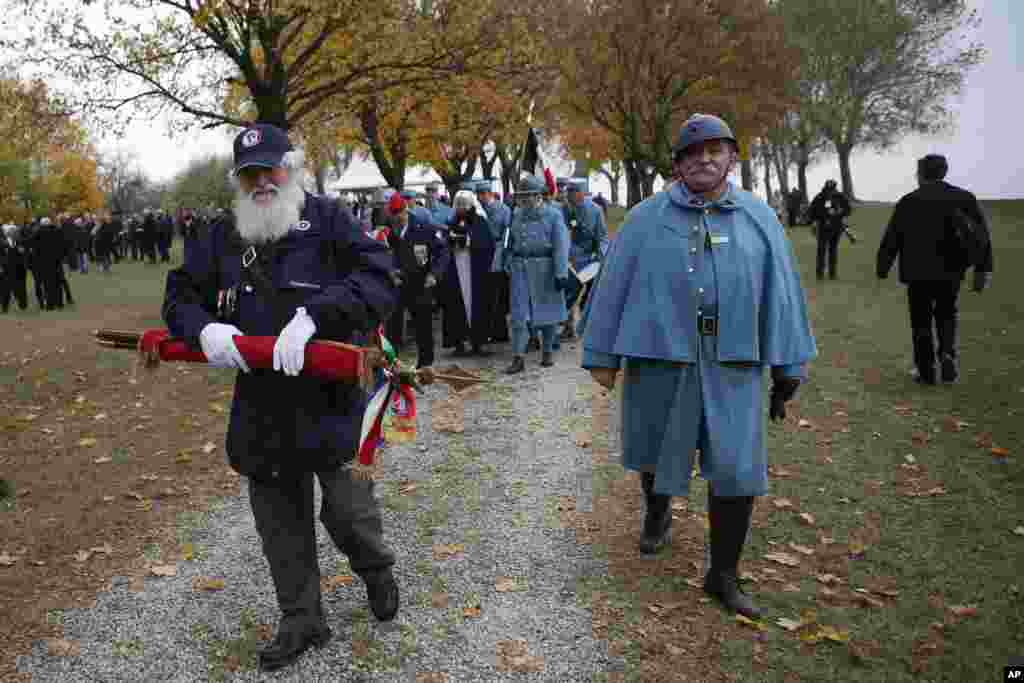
283,511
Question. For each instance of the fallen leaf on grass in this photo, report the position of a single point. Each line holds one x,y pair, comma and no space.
984,440
217,408
583,442
183,457
439,600
807,518
823,632
863,598
674,650
1019,531
86,442
779,472
202,583
99,416
805,424
59,647
164,570
82,555
919,438
758,625
188,552
782,503
101,461
6,559
445,551
693,583
789,624
802,549
471,612
407,487
209,447
1000,452
964,611
829,579
783,558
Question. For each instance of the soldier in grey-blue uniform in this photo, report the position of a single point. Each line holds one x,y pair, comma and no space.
440,213
535,254
699,294
589,234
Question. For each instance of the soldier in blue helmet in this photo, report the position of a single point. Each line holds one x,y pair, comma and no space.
589,234
698,294
440,213
535,254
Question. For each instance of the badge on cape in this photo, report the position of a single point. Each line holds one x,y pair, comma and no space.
302,226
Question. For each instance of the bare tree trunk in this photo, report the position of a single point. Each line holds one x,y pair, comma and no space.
801,176
634,187
612,170
779,158
747,175
766,162
844,150
321,179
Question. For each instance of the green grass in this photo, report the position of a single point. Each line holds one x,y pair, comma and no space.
959,545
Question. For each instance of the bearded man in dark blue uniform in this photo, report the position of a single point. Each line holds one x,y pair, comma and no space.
291,265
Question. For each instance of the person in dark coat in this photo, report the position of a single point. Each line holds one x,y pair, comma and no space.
933,262
499,216
794,202
48,253
828,210
293,266
422,258
13,272
466,290
150,236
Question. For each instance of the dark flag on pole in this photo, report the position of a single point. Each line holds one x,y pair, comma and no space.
533,162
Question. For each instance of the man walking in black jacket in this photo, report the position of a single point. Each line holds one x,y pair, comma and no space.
927,232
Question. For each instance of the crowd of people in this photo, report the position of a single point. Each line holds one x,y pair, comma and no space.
49,248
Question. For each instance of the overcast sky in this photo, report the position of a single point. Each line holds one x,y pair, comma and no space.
984,150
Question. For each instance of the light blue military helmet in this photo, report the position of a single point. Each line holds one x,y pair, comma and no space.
531,185
483,185
700,128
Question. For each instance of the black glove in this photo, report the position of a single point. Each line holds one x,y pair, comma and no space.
783,390
561,284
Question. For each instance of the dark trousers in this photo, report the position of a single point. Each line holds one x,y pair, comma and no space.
420,304
13,283
283,512
52,274
933,303
828,244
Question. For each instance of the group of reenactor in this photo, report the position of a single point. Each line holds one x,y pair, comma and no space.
497,271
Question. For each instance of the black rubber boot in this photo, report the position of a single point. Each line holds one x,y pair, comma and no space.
382,594
947,351
924,356
517,365
294,636
730,520
657,530
546,359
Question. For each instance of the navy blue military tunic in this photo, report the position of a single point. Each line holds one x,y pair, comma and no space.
326,263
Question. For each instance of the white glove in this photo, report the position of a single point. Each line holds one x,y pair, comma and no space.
290,349
216,340
430,281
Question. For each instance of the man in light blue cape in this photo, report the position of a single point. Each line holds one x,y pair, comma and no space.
698,294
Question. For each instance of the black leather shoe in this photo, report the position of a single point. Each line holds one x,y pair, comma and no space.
289,643
533,344
546,360
950,373
517,365
725,588
382,594
481,352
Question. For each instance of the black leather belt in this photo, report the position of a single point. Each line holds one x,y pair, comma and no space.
707,325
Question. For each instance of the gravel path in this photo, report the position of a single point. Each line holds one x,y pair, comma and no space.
473,519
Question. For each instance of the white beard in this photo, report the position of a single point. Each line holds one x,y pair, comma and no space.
268,222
